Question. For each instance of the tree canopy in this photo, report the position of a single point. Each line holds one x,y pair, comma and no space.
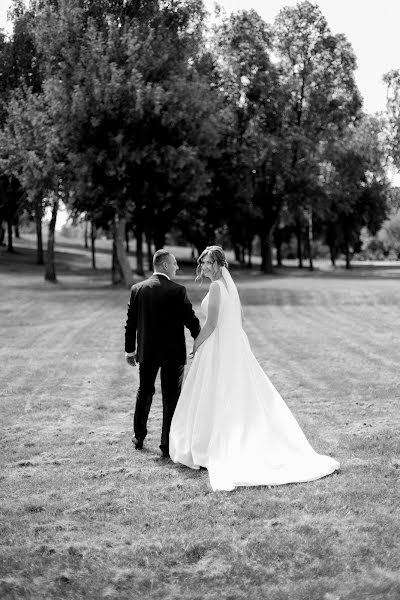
147,118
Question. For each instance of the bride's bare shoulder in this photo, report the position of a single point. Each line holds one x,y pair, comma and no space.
215,289
221,283
214,285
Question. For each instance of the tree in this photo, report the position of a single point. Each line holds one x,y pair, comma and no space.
33,154
250,84
19,68
317,69
11,203
131,112
392,80
390,233
357,185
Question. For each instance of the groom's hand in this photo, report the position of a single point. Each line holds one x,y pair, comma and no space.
131,360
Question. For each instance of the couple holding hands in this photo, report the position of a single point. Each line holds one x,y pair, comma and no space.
227,416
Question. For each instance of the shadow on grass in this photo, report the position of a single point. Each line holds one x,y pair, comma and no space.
74,272
185,472
24,261
100,248
357,271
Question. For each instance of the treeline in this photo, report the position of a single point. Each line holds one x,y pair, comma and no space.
145,117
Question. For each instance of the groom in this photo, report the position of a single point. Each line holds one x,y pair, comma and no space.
158,310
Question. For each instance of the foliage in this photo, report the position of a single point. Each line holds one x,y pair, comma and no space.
392,80
249,176
142,118
317,69
136,115
389,236
357,185
19,69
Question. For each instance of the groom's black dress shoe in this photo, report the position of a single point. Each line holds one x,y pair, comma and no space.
138,444
164,451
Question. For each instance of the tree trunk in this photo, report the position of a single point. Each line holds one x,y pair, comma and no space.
159,240
10,247
199,249
50,273
249,253
121,269
266,264
332,252
39,238
299,234
279,253
127,239
93,243
2,234
116,271
16,229
331,241
149,251
310,241
139,251
86,235
278,246
347,253
346,245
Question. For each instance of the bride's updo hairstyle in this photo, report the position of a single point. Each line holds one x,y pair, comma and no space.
217,256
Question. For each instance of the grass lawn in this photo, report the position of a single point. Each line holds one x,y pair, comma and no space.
84,515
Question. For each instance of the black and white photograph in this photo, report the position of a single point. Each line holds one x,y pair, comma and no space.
199,300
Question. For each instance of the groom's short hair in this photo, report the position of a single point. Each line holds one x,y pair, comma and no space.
160,256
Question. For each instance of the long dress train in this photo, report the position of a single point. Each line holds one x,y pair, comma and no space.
231,419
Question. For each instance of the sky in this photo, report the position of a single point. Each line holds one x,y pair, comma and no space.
371,26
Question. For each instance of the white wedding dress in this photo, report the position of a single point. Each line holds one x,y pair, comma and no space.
231,419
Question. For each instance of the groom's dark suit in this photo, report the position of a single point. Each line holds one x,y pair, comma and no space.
158,310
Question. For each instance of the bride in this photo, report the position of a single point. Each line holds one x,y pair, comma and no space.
230,418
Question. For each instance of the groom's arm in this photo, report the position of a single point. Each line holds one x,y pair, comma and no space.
189,317
131,324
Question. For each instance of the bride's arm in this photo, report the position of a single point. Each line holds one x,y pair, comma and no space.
212,316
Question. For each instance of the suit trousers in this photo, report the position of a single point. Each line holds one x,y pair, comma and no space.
171,384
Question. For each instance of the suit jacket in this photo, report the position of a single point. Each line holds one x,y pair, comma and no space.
158,311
